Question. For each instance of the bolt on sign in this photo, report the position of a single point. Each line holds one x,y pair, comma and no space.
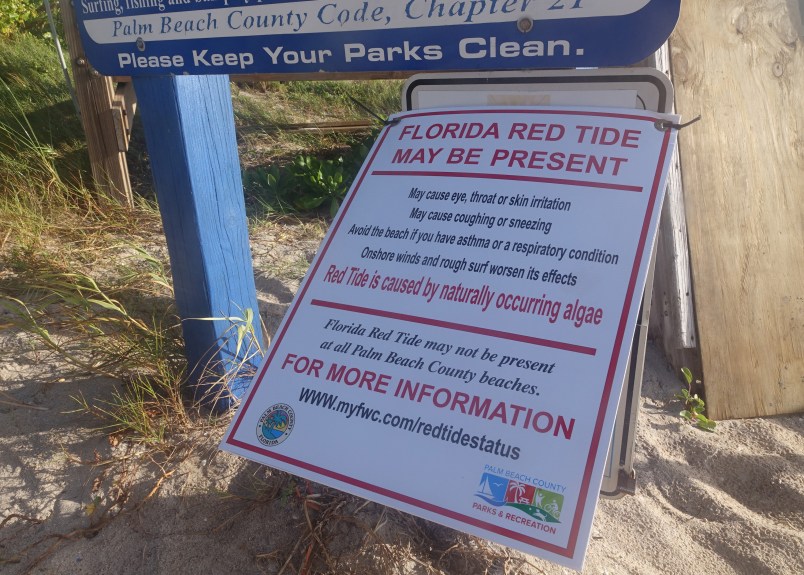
458,346
158,37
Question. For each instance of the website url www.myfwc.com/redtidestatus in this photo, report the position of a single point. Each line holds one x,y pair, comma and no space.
440,431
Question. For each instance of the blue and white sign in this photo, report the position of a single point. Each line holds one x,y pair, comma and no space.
158,37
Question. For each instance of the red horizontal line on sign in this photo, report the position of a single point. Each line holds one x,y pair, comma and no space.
458,327
535,179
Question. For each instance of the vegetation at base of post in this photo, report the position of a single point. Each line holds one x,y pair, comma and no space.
694,406
73,273
88,280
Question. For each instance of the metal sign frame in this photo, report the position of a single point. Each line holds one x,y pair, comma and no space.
651,90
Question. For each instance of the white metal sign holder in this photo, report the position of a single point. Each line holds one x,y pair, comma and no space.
639,88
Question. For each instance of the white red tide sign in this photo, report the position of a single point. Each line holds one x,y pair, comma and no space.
458,346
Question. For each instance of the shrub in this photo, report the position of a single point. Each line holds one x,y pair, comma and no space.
17,16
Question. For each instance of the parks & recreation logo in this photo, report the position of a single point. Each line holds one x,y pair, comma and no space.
538,503
275,424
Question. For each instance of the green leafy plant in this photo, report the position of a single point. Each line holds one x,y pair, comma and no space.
693,405
22,16
320,181
327,180
307,184
270,187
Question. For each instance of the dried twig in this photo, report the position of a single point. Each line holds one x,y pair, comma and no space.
11,400
290,556
18,516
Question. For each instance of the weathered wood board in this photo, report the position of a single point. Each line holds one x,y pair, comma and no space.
672,317
740,63
101,117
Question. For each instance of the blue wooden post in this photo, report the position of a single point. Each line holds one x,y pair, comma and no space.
189,131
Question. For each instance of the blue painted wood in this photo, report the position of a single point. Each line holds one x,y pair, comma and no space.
190,134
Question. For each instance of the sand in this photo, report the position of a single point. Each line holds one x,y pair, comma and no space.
74,500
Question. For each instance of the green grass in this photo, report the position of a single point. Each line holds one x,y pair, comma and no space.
279,103
72,270
266,114
33,95
290,170
122,326
78,271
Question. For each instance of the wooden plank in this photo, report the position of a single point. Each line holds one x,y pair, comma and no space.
672,313
337,126
189,130
95,95
124,107
741,65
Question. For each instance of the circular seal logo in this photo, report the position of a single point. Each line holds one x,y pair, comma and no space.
275,424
